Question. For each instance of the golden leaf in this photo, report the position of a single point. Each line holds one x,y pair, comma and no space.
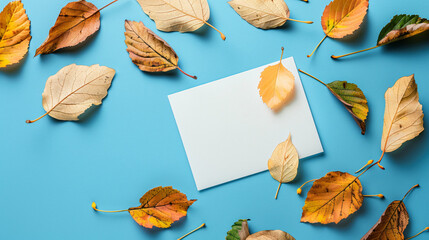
277,85
148,51
271,235
332,198
178,15
263,14
14,34
283,164
403,116
74,89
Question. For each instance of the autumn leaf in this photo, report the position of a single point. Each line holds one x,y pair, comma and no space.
277,85
148,51
239,231
14,34
77,21
392,223
263,14
283,164
351,97
400,27
342,18
332,198
160,207
74,89
271,235
178,15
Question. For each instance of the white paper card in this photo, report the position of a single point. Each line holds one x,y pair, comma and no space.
229,133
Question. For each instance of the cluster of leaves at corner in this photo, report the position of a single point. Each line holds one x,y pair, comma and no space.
240,231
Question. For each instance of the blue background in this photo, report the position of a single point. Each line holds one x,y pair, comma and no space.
51,171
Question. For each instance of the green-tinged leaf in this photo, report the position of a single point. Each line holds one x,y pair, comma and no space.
239,231
402,26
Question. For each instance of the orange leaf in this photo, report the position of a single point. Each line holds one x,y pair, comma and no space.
160,207
332,198
14,34
276,86
77,21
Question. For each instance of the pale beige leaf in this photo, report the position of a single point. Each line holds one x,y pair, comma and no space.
263,14
74,89
403,116
270,235
284,161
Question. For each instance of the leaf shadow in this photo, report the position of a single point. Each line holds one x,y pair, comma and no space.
16,68
415,146
408,44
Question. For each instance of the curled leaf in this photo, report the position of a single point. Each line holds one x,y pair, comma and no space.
178,15
283,164
263,14
271,235
74,89
277,85
148,51
239,231
332,198
14,34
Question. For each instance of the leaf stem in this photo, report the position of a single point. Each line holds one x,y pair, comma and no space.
299,190
348,54
368,163
278,189
107,5
308,74
375,195
415,186
194,77
37,119
317,46
94,206
196,229
221,34
426,229
294,20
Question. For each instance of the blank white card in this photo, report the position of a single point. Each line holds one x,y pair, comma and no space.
229,133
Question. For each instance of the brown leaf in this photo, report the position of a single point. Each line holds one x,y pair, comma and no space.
271,235
239,231
148,51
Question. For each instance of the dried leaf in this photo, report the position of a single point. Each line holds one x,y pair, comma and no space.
74,89
239,231
14,34
277,85
178,15
332,198
77,21
283,164
271,235
263,14
342,18
148,51
403,117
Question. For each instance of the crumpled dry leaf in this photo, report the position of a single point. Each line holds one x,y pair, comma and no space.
277,85
178,15
271,235
332,198
77,21
239,231
283,164
403,116
148,51
74,89
14,34
263,14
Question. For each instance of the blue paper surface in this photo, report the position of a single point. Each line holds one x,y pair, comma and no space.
51,171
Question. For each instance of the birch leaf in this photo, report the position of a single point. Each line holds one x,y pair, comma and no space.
271,235
263,14
403,116
74,89
239,231
342,18
283,164
178,15
277,85
76,22
14,34
332,198
148,51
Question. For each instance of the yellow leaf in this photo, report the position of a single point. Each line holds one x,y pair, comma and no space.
283,164
14,34
178,15
277,85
